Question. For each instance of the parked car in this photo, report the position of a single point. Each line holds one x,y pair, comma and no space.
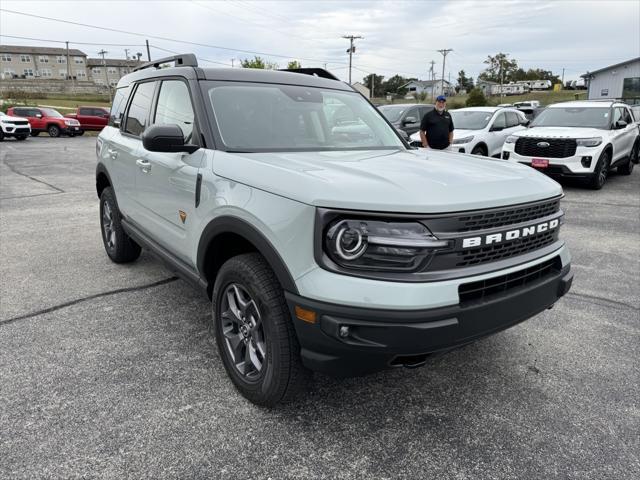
407,116
583,139
527,104
13,127
481,130
320,250
47,120
90,118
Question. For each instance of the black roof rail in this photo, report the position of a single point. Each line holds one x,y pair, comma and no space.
316,72
183,60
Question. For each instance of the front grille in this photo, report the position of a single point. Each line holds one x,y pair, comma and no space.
492,253
20,122
21,130
507,216
486,289
558,147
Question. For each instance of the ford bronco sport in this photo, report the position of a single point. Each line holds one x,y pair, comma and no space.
322,248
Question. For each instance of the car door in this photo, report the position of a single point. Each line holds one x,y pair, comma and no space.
166,182
411,121
621,137
84,117
125,147
496,134
631,130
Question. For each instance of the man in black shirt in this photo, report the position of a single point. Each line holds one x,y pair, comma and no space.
436,128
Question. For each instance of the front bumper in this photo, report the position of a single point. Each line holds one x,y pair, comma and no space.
582,164
378,339
15,131
71,129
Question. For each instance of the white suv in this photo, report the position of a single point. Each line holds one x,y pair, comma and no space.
481,130
578,139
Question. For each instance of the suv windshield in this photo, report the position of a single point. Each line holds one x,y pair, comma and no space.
393,113
264,117
470,120
573,117
49,112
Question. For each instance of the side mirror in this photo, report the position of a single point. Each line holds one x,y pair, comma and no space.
409,120
620,124
166,138
106,115
38,115
525,123
496,129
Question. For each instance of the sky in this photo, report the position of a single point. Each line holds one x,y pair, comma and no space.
399,37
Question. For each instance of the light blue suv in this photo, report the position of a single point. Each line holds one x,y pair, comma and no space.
322,248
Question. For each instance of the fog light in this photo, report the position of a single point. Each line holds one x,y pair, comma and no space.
505,155
586,162
344,331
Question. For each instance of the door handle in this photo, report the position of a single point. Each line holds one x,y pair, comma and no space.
144,165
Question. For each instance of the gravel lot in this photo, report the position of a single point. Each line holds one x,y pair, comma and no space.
108,371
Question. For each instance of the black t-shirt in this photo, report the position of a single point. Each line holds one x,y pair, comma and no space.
437,127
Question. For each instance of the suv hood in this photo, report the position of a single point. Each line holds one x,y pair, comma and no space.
562,132
424,181
11,118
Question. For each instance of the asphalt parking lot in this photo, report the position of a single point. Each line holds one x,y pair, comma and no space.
108,371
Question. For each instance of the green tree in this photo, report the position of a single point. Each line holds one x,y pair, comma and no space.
258,62
497,66
395,85
464,82
293,65
378,83
476,98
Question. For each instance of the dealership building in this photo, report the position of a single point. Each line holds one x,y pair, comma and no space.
617,82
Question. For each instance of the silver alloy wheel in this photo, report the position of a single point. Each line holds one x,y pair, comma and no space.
243,331
107,225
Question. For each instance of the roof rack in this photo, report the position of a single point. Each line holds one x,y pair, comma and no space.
183,60
316,72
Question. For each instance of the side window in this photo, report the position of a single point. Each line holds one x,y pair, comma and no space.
174,107
138,112
20,112
118,106
512,119
34,111
617,115
413,112
500,121
85,111
626,116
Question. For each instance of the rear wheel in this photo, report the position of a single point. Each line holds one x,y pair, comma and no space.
54,131
627,168
118,245
80,133
34,133
254,333
1,135
599,177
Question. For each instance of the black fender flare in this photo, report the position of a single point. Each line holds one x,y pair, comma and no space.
102,170
237,226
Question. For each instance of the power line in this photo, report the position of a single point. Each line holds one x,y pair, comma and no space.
75,43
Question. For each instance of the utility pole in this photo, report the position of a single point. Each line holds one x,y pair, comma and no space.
103,52
148,51
501,81
126,53
351,50
232,62
444,53
433,78
68,64
562,79
373,82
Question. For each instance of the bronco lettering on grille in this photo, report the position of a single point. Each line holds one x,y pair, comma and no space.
510,235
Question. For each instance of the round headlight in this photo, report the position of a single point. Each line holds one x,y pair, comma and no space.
349,243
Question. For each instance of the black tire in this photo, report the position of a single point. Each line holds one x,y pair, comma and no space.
34,134
599,177
118,245
479,150
1,135
627,167
53,130
80,133
272,338
22,137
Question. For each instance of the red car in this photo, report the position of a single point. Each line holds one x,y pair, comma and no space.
47,120
91,118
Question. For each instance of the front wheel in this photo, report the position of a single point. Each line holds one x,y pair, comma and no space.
118,245
21,137
627,168
54,131
479,150
80,133
599,176
254,333
34,133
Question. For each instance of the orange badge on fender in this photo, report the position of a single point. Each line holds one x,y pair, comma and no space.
183,215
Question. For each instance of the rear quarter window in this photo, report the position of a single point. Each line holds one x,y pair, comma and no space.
119,103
